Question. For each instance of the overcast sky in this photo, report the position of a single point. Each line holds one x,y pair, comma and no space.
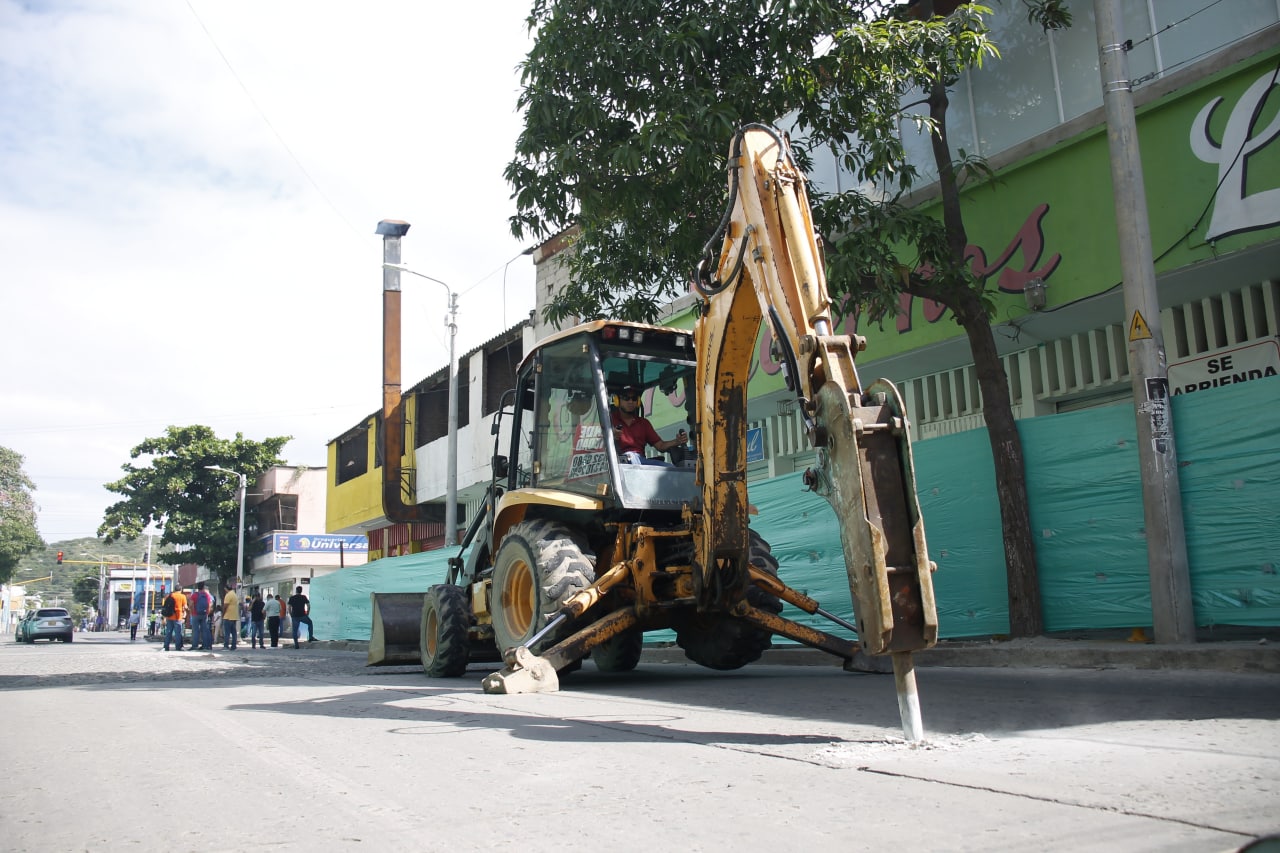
188,196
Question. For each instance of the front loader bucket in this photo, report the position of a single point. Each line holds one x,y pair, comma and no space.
397,625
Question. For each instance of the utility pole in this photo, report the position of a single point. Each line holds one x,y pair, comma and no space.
1172,613
451,464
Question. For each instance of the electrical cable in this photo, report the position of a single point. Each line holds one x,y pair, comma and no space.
1133,44
267,122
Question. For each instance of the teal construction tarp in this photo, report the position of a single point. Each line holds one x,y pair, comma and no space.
1086,514
1229,452
340,605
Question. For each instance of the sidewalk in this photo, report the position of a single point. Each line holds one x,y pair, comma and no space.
1260,654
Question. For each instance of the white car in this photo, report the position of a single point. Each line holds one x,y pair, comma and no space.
46,623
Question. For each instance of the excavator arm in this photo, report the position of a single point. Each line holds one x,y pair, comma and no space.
770,267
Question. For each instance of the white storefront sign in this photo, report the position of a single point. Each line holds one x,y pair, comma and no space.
1225,367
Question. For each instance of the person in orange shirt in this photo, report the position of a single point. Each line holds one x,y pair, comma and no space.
173,623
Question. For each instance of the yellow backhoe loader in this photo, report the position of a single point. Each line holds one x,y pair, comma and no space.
579,550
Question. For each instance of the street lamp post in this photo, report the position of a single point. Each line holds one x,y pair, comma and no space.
451,471
244,485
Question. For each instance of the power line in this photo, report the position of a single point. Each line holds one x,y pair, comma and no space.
1173,24
267,122
297,162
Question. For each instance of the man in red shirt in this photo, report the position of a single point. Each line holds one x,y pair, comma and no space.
632,433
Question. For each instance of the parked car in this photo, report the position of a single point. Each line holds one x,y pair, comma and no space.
46,623
20,627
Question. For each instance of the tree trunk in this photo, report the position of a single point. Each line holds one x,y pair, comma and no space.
1022,576
1023,579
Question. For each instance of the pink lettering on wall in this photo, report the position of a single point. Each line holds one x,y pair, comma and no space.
1029,241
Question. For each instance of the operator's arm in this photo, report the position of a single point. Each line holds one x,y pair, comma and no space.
663,446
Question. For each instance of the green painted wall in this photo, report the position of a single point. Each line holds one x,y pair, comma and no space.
1061,199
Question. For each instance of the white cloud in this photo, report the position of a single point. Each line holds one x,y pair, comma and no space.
166,259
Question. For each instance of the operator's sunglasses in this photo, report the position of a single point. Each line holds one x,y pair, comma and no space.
630,397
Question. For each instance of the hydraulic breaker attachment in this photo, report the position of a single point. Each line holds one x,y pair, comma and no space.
865,472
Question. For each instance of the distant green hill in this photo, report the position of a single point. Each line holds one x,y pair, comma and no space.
80,558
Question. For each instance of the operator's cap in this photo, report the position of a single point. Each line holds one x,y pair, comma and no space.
631,388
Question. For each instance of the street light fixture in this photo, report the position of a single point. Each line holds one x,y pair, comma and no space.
451,471
244,485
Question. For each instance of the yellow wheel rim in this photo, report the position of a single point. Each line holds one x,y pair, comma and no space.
433,629
519,602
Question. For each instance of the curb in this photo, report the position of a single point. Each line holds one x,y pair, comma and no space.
1242,656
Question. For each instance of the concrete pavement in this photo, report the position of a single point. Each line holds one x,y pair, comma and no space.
328,754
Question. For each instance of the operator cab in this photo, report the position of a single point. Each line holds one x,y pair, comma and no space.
566,392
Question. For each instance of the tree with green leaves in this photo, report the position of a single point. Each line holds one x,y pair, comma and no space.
18,534
171,487
629,106
86,589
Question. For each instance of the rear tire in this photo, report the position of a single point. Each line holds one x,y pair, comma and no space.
442,639
719,641
620,653
539,565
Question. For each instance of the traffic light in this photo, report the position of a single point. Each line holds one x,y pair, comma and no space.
59,558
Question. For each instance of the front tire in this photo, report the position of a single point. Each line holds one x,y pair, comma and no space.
442,642
619,653
539,565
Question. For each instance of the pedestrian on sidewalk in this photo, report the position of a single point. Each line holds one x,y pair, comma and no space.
286,623
257,616
176,603
230,616
134,619
201,630
300,611
246,603
275,612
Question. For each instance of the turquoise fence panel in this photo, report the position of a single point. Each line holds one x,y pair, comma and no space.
340,604
1229,461
803,535
1086,516
956,486
955,482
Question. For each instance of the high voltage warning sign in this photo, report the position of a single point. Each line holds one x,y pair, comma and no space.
1138,328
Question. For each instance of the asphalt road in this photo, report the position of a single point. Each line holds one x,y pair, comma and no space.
116,746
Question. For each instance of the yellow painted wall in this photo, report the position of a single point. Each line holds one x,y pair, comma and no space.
357,500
